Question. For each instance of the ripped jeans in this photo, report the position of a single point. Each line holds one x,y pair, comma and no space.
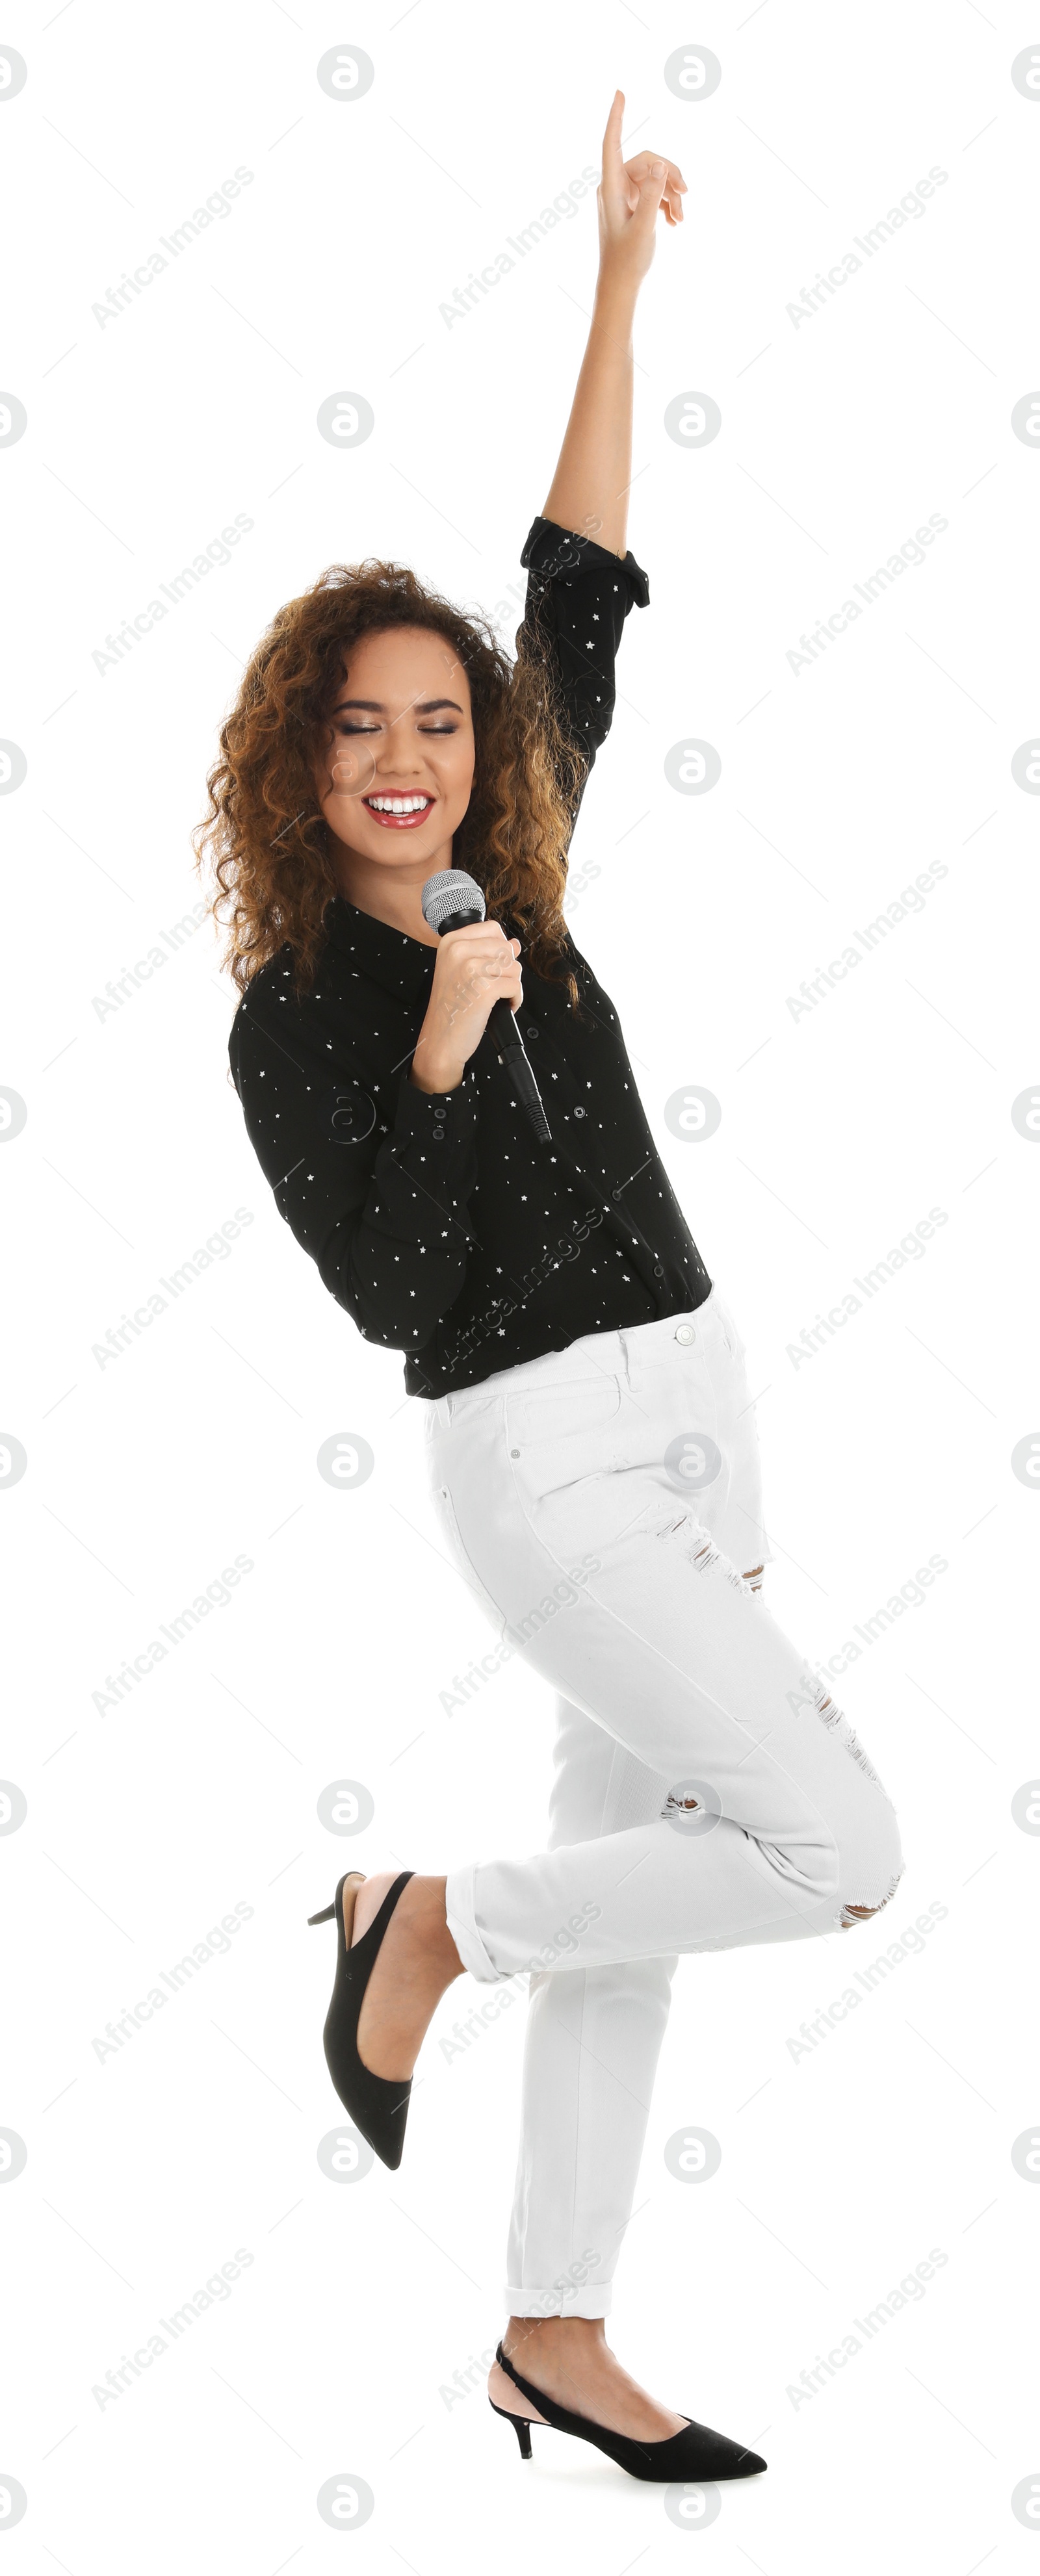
603,1502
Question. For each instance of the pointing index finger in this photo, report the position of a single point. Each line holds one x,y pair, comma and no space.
612,132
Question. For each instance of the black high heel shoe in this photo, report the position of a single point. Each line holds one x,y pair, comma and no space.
377,2105
694,2453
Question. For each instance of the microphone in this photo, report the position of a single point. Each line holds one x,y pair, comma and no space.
450,901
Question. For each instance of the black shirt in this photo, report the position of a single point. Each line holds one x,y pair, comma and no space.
441,1223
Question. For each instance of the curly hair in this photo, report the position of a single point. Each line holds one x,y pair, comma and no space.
270,843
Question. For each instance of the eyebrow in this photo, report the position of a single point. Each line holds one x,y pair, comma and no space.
375,706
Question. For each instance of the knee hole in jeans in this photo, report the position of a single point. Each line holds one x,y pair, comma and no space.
851,1914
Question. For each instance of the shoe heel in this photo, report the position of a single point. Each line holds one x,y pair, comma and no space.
521,2428
353,1880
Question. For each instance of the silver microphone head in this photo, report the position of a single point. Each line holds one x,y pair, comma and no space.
451,890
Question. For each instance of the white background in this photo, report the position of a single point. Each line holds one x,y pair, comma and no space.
338,2348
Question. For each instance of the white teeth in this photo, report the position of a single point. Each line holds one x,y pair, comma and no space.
397,804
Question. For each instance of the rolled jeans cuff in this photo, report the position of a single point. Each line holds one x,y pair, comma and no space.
593,2301
460,1908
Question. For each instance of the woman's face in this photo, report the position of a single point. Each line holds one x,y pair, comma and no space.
396,771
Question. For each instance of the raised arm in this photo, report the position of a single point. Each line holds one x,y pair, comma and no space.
589,491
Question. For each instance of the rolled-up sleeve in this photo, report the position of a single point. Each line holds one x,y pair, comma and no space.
578,597
375,1188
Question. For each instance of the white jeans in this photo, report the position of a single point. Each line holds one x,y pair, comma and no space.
604,1503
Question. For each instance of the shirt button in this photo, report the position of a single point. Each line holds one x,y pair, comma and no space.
579,1113
438,1131
658,1270
684,1333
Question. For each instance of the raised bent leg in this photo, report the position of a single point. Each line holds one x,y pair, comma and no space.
670,1652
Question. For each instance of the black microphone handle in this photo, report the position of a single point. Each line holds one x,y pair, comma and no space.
502,1023
506,1036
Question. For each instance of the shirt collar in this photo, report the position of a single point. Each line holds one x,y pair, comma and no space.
403,966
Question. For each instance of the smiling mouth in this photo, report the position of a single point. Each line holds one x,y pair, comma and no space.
399,813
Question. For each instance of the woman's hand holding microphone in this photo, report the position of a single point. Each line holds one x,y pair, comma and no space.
473,969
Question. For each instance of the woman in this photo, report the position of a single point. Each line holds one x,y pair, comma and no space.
591,1443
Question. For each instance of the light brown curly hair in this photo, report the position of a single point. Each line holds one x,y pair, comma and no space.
269,840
